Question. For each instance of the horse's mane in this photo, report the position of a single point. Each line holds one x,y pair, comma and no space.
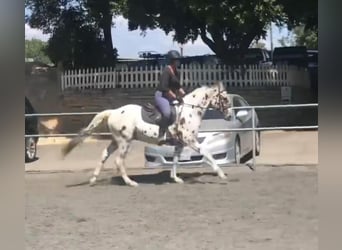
198,89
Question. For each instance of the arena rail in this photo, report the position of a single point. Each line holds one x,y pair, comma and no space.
253,128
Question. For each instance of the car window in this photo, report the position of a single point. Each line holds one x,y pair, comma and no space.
236,103
240,102
243,102
212,114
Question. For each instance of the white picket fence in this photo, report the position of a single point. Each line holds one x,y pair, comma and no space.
191,76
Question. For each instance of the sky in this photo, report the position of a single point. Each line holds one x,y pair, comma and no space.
129,43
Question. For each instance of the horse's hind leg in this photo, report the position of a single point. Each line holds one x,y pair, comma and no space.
105,155
119,161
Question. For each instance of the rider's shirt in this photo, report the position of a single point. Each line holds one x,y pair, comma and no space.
169,79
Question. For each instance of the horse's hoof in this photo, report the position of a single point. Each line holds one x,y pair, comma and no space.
223,176
178,180
251,167
133,184
92,181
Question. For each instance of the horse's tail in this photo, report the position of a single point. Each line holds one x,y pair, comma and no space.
85,132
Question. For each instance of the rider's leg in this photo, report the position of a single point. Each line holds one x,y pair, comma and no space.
164,107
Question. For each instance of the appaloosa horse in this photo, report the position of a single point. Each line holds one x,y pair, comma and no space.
134,122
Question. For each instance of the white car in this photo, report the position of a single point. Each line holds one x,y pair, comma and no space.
226,147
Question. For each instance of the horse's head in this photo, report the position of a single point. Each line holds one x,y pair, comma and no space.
220,100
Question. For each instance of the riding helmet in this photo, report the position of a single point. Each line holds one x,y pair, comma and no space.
173,54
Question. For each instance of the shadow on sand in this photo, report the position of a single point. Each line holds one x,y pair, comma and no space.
160,178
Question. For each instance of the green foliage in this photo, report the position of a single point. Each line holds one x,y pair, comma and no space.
301,37
303,12
258,44
78,39
103,11
75,43
221,24
306,37
36,49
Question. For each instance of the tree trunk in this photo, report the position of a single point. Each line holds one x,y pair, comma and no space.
222,47
107,31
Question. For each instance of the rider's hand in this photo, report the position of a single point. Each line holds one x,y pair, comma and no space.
182,92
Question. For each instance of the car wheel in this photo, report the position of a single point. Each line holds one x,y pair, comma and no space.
237,151
30,149
257,144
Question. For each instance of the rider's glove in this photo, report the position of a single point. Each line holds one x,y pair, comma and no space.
180,100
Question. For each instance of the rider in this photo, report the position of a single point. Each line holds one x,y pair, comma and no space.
168,90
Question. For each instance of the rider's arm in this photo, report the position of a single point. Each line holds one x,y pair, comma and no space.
180,90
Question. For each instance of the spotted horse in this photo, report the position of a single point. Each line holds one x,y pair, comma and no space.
134,122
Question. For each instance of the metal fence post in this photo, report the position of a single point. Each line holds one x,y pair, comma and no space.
253,135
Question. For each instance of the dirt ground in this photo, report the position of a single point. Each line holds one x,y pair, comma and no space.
272,208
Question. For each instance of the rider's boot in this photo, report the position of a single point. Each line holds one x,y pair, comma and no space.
162,131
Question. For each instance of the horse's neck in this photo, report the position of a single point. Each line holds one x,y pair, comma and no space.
195,105
198,97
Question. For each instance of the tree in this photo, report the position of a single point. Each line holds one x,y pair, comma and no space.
288,40
305,37
257,44
222,25
51,16
76,43
298,13
302,20
103,12
301,37
36,49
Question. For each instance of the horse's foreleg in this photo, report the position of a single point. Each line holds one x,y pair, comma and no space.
105,155
209,159
176,155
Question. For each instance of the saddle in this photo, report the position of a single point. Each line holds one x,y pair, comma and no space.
151,114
